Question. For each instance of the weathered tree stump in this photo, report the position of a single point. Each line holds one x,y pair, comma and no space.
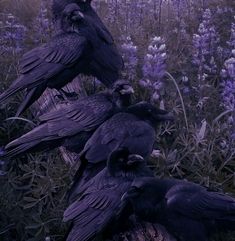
142,231
138,231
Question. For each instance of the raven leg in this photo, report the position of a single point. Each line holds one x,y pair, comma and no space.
71,96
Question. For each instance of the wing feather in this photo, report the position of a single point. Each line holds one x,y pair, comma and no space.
121,130
196,202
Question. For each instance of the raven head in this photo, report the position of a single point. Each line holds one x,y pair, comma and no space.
149,112
123,87
121,161
149,188
143,190
143,199
122,93
58,6
91,17
73,13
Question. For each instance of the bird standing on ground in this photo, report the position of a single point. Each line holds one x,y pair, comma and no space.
72,124
95,209
189,211
79,47
132,129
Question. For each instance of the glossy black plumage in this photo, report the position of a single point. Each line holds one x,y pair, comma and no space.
72,125
132,129
58,7
96,205
189,211
79,47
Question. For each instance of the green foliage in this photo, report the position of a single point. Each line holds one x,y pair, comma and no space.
33,197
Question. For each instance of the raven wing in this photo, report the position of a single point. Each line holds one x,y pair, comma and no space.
106,63
96,207
69,120
196,202
47,61
121,130
83,115
64,49
101,30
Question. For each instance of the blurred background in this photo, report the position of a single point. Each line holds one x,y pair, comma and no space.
179,54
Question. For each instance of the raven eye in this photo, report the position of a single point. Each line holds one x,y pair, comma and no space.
138,189
121,159
79,8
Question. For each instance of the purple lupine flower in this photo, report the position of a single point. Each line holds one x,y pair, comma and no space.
228,94
231,42
13,36
112,13
154,68
228,84
179,7
133,12
42,25
186,84
129,54
205,48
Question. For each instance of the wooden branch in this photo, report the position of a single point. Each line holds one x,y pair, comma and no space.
138,231
142,231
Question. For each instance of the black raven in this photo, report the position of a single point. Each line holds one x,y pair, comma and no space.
96,205
78,48
58,7
189,211
132,129
72,124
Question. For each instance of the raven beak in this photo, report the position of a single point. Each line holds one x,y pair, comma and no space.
77,16
134,158
131,193
165,116
127,90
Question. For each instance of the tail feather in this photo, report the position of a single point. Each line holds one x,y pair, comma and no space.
43,137
30,98
19,149
37,133
85,172
72,192
25,142
77,234
13,89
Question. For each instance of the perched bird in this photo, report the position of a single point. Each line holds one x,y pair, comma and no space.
132,129
72,124
77,48
95,209
189,211
58,7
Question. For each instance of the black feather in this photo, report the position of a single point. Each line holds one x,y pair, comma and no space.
70,125
132,129
81,46
189,211
95,206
